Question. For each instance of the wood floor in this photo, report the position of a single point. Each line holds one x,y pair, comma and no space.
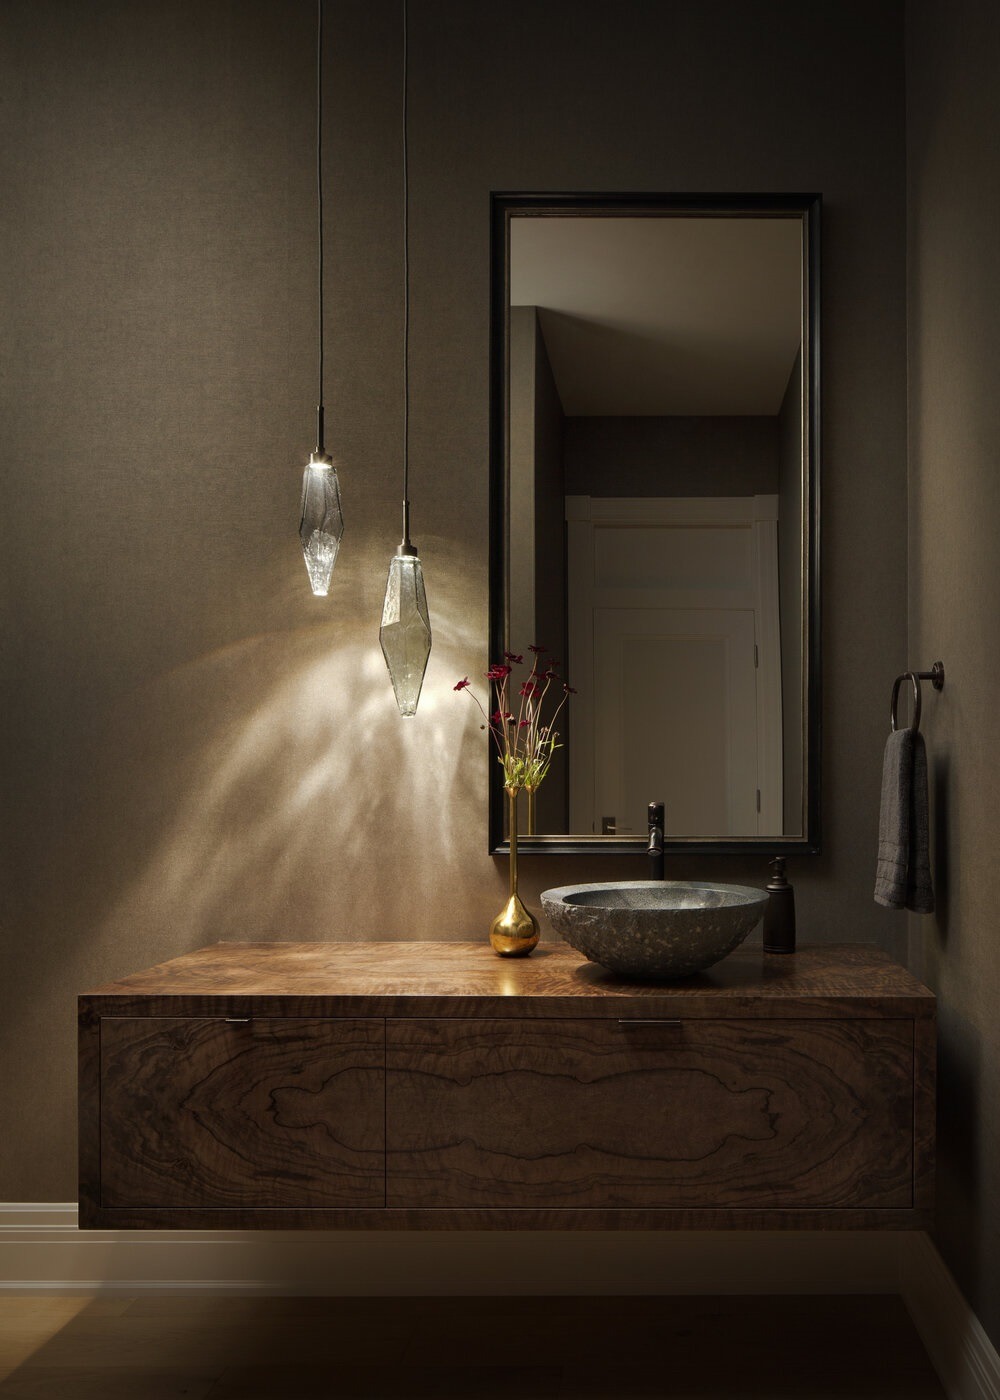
737,1348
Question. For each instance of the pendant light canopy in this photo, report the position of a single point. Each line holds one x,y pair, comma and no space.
405,633
321,525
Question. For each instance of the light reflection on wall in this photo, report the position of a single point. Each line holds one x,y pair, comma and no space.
302,805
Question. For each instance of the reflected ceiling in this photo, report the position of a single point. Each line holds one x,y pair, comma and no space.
654,316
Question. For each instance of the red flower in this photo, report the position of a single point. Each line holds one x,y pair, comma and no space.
536,650
462,684
498,716
528,690
498,672
523,724
512,658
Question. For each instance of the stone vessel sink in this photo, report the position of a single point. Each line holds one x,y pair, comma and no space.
654,929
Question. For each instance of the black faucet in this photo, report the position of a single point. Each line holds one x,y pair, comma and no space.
654,851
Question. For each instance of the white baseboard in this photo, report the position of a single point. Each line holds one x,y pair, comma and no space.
42,1249
963,1355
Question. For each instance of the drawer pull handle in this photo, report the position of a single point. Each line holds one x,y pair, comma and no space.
238,1020
651,1023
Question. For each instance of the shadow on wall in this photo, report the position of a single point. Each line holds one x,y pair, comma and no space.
959,1140
942,837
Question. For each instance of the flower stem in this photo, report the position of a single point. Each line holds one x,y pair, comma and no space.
512,800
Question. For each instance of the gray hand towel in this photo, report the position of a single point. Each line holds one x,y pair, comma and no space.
903,872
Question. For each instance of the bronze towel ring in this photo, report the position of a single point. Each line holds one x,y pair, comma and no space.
936,677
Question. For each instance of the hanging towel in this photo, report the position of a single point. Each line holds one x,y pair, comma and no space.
903,872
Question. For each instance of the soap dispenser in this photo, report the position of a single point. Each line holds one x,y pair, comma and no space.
779,914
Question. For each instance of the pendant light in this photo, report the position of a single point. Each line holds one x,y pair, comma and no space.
321,526
405,633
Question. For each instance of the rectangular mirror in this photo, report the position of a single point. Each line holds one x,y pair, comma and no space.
655,511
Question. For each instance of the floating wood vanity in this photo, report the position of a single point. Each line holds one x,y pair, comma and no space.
416,1085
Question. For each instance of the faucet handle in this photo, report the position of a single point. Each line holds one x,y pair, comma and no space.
655,814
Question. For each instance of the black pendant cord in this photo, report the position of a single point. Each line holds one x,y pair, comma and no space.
319,215
406,287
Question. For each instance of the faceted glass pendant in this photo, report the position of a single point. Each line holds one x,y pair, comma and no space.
322,525
405,633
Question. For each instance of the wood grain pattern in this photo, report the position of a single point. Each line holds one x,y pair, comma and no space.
430,979
89,1114
595,1114
775,1217
924,1112
275,1114
183,1149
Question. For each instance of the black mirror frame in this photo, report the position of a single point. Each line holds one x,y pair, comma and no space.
503,205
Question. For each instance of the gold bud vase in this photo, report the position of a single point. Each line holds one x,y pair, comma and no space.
514,931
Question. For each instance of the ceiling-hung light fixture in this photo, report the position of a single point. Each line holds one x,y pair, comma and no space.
321,527
405,633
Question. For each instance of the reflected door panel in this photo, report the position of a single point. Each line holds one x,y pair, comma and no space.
676,693
674,642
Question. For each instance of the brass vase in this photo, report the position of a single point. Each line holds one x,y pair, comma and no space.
514,931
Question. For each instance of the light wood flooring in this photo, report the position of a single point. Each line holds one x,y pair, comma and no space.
204,1348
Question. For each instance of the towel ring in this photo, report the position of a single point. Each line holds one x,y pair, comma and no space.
936,677
907,676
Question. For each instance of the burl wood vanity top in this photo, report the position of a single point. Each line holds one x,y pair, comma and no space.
456,979
435,1085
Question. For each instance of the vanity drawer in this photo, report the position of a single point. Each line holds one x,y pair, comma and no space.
219,1114
735,1114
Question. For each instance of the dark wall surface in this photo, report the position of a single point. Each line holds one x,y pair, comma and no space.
953,105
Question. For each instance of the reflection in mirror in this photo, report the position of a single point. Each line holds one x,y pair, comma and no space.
659,427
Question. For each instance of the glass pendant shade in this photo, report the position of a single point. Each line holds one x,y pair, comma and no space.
405,633
322,525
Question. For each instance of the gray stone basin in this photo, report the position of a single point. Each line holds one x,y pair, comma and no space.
654,928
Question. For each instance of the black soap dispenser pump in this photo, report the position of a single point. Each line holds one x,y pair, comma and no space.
779,914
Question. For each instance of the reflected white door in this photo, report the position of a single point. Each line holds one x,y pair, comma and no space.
676,691
674,645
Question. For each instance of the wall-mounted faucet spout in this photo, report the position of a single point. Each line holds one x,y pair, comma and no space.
654,851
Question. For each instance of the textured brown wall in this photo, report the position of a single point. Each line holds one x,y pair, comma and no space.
954,319
195,748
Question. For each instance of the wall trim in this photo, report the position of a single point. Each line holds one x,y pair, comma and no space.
42,1250
956,1341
